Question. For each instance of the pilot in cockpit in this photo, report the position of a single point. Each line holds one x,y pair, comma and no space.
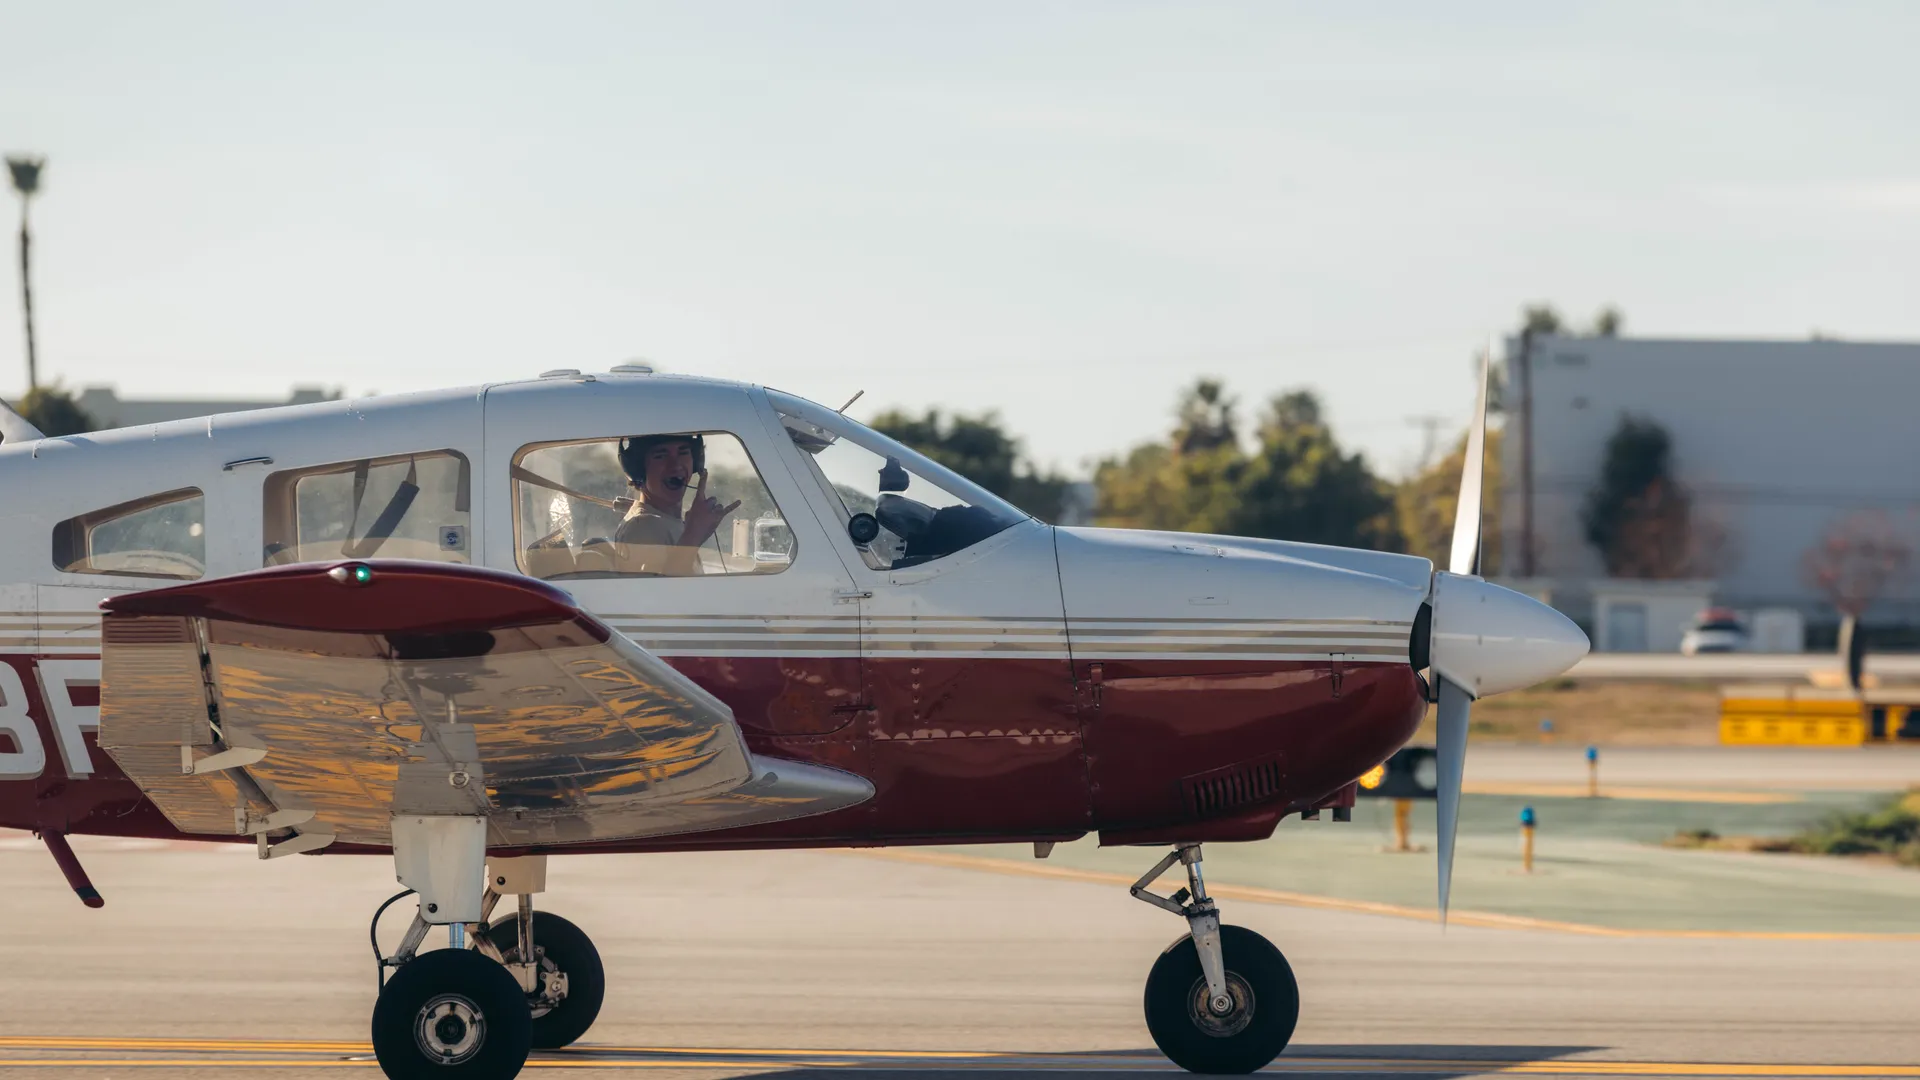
658,537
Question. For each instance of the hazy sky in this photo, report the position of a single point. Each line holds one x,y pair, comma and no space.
1063,211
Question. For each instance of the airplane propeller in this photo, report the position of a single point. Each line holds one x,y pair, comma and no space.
1455,704
1479,639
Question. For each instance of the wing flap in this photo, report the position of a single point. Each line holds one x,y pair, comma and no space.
427,689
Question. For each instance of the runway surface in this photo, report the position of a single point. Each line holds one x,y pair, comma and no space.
1777,667
206,962
1562,768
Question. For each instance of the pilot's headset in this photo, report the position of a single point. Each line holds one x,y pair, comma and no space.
634,448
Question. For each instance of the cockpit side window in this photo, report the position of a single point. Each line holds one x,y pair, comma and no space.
160,536
578,512
900,509
403,506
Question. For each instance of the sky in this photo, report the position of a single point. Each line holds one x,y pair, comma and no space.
1061,211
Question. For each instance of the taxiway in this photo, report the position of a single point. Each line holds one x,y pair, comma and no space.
206,963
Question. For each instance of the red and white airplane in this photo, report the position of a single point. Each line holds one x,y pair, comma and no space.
632,612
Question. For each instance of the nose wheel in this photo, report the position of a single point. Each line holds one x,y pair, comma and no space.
1221,999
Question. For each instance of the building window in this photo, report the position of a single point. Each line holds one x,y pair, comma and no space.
406,506
666,505
160,536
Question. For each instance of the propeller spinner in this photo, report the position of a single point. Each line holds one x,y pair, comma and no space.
1482,639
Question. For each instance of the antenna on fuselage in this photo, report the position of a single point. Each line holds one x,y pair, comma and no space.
856,397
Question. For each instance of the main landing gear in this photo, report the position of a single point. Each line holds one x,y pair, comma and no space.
472,1011
1220,999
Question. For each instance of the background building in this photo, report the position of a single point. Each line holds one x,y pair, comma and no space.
1776,442
109,410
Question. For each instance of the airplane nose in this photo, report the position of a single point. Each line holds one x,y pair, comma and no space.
1488,639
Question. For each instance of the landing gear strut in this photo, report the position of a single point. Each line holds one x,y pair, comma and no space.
1220,999
473,1010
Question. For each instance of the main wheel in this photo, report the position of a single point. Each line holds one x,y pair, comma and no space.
564,948
451,1014
1266,1005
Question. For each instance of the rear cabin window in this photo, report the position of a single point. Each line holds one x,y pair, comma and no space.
579,514
405,506
160,536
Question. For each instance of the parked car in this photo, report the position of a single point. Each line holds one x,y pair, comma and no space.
1716,630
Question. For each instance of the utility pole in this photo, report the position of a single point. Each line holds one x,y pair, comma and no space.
1429,436
26,181
1526,452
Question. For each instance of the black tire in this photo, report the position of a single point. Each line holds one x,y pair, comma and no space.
569,948
1267,1005
472,997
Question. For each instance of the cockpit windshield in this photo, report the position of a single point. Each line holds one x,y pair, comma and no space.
900,508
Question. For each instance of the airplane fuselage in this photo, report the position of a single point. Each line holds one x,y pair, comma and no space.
1036,683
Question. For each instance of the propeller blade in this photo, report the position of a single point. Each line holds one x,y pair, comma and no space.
1465,558
1450,760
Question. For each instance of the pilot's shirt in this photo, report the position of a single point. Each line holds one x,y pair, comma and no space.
648,542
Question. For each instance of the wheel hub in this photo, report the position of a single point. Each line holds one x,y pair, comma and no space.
1221,1023
450,1029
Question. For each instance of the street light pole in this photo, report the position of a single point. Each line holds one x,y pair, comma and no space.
26,181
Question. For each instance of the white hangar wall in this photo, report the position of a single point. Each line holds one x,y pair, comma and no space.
1775,440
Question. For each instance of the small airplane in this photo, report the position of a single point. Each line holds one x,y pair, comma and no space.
637,612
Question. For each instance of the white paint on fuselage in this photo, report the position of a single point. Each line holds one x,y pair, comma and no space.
1029,592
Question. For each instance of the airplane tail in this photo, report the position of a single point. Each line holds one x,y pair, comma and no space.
14,427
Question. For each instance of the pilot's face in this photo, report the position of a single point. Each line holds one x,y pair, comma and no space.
669,472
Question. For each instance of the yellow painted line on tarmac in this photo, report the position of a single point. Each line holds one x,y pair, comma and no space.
1483,919
1612,791
259,1046
907,1055
271,1046
682,1057
1068,1063
110,1063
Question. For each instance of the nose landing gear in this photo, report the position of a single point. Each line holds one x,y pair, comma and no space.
1221,999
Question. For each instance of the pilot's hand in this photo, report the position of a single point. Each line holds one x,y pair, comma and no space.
704,516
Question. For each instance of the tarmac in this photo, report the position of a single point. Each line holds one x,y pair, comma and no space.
1738,667
911,962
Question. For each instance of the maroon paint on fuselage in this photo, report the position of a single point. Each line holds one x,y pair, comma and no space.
1295,732
1066,759
957,749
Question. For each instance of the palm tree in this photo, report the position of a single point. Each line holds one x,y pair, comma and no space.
26,181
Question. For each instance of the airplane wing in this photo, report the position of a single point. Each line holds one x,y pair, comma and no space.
313,702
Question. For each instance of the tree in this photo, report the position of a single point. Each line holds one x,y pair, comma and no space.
1296,485
1155,486
1538,319
55,412
1859,558
1207,418
1300,486
1861,555
1639,517
1425,504
980,449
